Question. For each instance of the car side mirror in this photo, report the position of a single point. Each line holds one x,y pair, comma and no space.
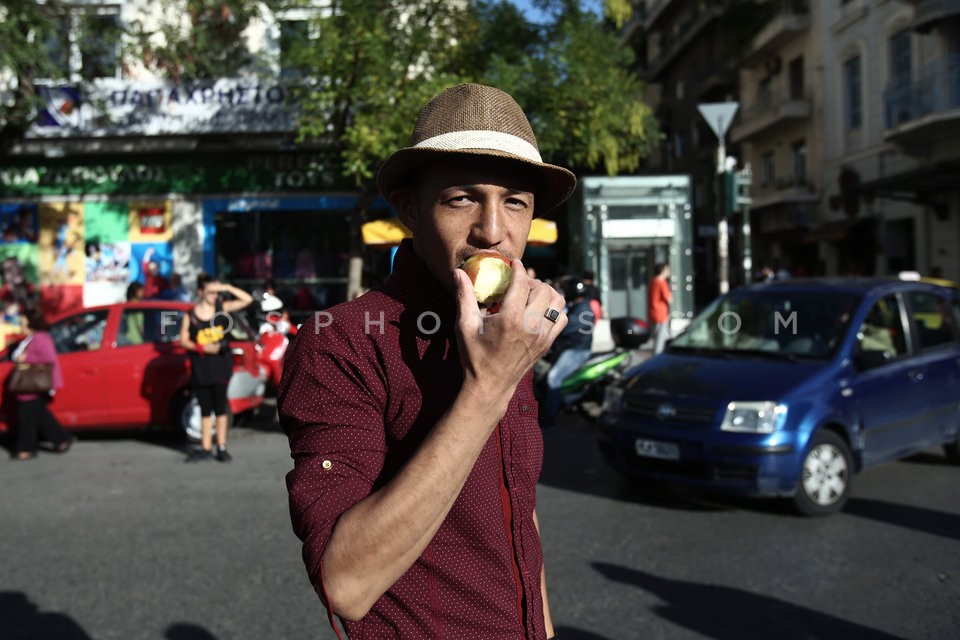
871,359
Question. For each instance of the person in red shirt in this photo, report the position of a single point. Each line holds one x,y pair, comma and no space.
658,306
410,411
154,284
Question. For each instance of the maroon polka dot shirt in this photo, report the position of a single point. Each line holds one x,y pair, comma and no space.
360,390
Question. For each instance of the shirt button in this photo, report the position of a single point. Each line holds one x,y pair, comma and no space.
327,465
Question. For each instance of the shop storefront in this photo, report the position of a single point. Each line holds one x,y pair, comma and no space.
300,243
627,225
79,230
192,176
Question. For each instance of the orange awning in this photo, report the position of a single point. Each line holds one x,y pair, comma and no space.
385,233
388,232
542,232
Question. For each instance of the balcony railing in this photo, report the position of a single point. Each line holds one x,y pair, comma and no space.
793,190
937,90
931,12
769,109
787,18
683,32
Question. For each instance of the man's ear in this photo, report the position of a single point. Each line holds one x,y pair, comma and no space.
405,202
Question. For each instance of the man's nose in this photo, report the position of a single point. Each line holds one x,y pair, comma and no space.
489,228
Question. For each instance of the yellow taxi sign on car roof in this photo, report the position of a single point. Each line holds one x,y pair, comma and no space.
940,282
914,276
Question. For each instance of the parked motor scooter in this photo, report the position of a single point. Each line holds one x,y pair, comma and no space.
584,388
273,336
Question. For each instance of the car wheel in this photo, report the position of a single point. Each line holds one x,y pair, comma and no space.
188,419
826,477
953,449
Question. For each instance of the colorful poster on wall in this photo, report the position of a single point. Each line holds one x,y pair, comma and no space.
108,262
18,223
153,262
107,273
61,243
25,255
151,221
18,268
107,222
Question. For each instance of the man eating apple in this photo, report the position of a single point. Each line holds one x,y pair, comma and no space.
410,411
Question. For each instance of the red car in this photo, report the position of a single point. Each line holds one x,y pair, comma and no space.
123,367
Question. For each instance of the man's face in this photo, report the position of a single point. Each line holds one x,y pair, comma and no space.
461,206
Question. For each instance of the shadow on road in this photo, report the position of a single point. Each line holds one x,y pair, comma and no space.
187,631
569,633
928,457
922,519
572,462
263,418
725,613
23,620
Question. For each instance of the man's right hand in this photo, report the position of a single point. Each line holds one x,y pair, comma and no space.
497,350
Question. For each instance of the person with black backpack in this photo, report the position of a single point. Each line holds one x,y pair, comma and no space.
205,333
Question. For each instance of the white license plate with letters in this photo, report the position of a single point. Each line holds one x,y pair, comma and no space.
656,449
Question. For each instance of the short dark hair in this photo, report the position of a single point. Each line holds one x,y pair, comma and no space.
35,319
658,268
588,275
203,280
132,290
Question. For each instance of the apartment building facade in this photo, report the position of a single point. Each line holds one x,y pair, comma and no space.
690,59
868,47
849,120
778,130
920,100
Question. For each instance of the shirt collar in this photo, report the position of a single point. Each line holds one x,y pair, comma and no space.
412,283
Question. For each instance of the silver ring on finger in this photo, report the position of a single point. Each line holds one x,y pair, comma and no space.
552,315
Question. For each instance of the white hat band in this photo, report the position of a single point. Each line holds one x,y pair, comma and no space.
493,140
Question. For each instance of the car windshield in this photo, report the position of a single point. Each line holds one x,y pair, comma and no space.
771,322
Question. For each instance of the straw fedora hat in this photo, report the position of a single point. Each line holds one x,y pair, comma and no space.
475,120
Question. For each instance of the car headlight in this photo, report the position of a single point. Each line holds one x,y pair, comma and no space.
753,417
612,400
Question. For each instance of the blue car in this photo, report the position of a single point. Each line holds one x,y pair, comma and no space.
790,388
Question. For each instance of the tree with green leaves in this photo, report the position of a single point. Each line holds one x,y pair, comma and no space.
25,28
578,86
196,39
376,63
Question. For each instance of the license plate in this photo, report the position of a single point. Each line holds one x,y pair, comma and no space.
657,449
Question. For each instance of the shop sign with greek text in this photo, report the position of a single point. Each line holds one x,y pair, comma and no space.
112,107
265,172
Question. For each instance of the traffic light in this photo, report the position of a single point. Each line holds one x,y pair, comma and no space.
728,193
734,191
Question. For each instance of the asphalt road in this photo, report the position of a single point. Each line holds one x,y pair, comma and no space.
120,539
